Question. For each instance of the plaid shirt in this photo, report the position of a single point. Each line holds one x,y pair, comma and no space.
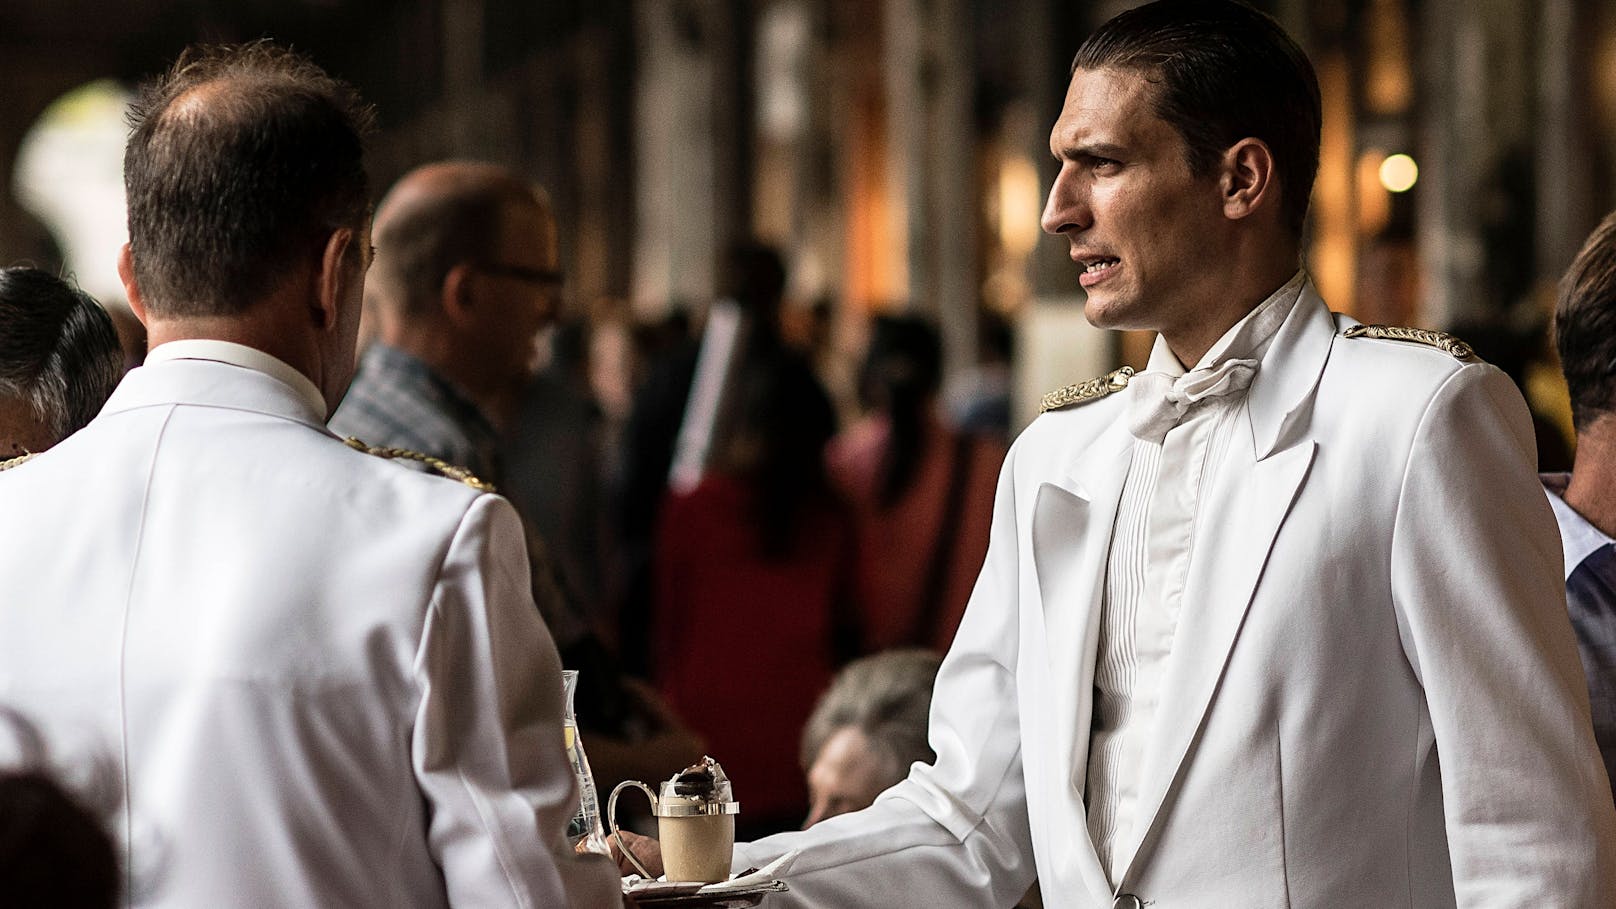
397,401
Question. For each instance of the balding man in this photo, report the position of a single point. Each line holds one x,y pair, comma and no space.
465,277
320,676
59,360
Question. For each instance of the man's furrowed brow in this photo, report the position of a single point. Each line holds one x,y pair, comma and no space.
1089,151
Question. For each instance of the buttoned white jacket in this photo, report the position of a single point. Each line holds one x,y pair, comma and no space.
1373,697
319,675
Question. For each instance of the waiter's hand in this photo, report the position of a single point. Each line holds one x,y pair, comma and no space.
646,849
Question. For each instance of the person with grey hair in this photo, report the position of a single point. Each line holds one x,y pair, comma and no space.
866,731
59,360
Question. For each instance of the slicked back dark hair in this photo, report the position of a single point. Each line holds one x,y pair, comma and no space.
1223,72
1585,326
59,352
240,163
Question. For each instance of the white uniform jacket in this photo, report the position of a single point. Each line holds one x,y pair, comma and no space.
1373,698
319,675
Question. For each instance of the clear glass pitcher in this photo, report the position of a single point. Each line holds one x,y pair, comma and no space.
585,827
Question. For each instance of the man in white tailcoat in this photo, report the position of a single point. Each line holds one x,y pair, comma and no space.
320,677
1278,622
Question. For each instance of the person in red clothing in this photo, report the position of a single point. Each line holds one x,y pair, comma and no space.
921,494
753,570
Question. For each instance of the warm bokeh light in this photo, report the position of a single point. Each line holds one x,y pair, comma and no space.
1398,173
70,175
1020,203
1333,259
1374,203
1389,81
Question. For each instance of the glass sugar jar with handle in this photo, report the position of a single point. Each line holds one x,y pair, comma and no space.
695,813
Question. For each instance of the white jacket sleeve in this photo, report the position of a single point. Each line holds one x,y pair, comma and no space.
955,833
487,745
1477,584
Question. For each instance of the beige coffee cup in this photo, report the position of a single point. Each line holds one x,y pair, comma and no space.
695,814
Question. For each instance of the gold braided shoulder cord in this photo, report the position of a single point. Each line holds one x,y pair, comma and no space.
452,471
1113,381
18,461
1441,340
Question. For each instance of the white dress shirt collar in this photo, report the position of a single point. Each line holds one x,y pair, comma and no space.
1577,537
1246,339
245,357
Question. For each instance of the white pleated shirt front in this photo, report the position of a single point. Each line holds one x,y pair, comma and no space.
1146,569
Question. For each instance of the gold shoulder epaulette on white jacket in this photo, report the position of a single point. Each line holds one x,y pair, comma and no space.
1083,392
17,461
438,465
1441,340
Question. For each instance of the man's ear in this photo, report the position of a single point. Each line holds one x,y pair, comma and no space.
131,290
1249,180
338,271
457,296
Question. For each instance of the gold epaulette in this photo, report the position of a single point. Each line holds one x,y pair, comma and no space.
1083,392
1441,340
17,461
438,465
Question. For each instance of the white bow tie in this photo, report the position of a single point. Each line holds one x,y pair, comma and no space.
1161,400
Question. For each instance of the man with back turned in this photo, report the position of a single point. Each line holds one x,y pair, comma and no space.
320,675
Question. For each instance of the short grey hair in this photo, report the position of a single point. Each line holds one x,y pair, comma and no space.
887,697
59,353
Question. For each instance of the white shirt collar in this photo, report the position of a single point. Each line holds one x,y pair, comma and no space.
1578,537
245,357
1246,339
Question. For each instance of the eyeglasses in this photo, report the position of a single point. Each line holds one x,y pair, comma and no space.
544,277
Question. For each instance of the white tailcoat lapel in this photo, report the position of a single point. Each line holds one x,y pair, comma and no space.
1072,523
1264,468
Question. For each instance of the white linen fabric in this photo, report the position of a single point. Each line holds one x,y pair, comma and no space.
1377,700
245,357
1163,399
1183,421
320,675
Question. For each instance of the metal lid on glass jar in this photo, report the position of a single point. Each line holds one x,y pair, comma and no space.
674,806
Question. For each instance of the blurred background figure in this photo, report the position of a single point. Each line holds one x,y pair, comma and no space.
55,850
685,414
866,730
921,493
59,360
551,454
752,589
978,399
466,276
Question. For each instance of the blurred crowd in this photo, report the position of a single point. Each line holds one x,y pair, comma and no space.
719,516
750,544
